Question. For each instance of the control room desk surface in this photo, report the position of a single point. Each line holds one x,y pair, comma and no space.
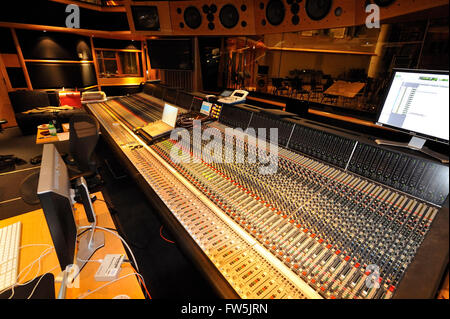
34,231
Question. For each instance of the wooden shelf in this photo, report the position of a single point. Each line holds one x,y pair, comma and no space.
321,51
347,119
56,61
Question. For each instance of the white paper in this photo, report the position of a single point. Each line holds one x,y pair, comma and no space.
63,136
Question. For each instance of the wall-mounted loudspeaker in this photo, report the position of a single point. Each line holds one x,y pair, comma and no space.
149,17
318,9
145,18
262,83
224,17
275,16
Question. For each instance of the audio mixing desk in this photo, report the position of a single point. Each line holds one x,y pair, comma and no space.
340,218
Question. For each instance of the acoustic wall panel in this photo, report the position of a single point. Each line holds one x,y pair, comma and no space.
58,75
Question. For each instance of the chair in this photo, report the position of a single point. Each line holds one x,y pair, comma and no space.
316,90
299,90
84,134
278,85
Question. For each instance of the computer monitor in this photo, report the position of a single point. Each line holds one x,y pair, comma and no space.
184,100
57,198
417,102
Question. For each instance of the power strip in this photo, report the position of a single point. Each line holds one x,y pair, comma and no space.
110,268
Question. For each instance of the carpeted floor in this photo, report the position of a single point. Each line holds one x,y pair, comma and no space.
24,147
12,142
11,203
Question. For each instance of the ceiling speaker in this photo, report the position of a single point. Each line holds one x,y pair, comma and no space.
229,16
318,9
275,12
145,18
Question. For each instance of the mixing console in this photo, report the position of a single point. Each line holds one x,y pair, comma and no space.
340,224
325,224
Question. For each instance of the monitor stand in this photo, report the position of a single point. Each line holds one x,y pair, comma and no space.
88,244
416,144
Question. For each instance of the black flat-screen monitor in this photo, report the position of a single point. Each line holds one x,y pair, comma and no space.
184,100
171,95
417,102
171,54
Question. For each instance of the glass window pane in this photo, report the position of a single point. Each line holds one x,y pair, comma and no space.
100,66
111,67
109,54
129,63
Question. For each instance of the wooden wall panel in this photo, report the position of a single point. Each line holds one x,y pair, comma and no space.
6,110
10,60
398,8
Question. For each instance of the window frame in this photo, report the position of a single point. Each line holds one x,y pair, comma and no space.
120,74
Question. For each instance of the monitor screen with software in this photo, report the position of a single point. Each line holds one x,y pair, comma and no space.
418,102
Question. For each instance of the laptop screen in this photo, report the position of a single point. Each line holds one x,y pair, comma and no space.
170,115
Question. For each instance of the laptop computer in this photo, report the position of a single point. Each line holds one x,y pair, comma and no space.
166,124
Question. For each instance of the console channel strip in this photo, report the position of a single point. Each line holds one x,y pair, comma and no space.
343,234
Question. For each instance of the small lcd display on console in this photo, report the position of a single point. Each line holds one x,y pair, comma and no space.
206,108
